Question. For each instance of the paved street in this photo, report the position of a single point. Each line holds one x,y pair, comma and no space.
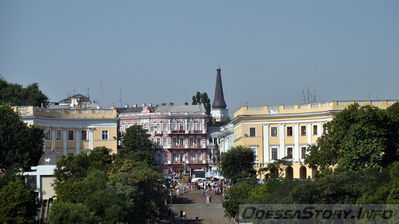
193,203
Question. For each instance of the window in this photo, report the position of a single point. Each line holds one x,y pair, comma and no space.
58,134
255,150
105,134
210,141
191,141
273,131
303,152
165,157
199,127
165,141
47,135
174,126
251,132
174,142
158,141
289,131
70,135
303,130
191,157
181,141
181,126
314,129
84,135
199,141
289,152
165,126
191,125
274,153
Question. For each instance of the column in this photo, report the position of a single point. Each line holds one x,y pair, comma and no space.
77,139
91,138
266,147
296,153
52,138
309,133
281,135
64,141
319,129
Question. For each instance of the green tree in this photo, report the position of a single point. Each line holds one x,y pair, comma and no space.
20,145
141,190
238,163
357,138
202,98
17,204
17,95
136,139
65,213
238,194
136,144
274,169
112,188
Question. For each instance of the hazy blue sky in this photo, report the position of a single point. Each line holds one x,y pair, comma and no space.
164,51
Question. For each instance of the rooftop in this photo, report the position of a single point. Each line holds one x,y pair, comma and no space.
309,108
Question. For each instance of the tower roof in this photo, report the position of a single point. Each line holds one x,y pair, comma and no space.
218,101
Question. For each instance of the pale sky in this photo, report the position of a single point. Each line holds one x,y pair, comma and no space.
165,51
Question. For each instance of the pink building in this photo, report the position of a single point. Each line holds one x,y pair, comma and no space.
177,132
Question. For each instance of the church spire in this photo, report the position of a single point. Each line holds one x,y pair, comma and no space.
218,101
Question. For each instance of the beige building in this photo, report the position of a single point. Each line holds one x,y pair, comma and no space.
74,130
275,132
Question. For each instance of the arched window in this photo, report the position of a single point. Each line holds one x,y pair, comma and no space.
289,173
302,172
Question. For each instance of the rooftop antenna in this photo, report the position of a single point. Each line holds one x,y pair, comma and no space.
303,96
88,92
314,96
101,92
120,97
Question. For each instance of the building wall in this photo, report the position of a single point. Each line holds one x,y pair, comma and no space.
170,133
279,130
63,128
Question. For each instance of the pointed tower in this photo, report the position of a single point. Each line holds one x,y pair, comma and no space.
219,111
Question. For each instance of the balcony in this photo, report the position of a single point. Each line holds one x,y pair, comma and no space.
187,147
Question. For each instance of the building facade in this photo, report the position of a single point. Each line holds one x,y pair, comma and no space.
178,134
275,132
74,130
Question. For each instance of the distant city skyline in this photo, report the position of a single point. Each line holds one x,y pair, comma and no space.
166,51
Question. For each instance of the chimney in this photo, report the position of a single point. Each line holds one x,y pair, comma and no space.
134,105
126,105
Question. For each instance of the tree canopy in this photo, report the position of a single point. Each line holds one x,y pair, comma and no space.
16,95
99,187
17,203
357,138
238,163
202,98
20,145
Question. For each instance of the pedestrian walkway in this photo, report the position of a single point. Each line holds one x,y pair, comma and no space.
193,203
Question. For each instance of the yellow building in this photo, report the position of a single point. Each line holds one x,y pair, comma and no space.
275,132
74,130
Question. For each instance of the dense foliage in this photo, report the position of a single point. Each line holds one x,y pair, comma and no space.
357,138
357,158
237,163
99,187
20,145
17,203
16,95
202,98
